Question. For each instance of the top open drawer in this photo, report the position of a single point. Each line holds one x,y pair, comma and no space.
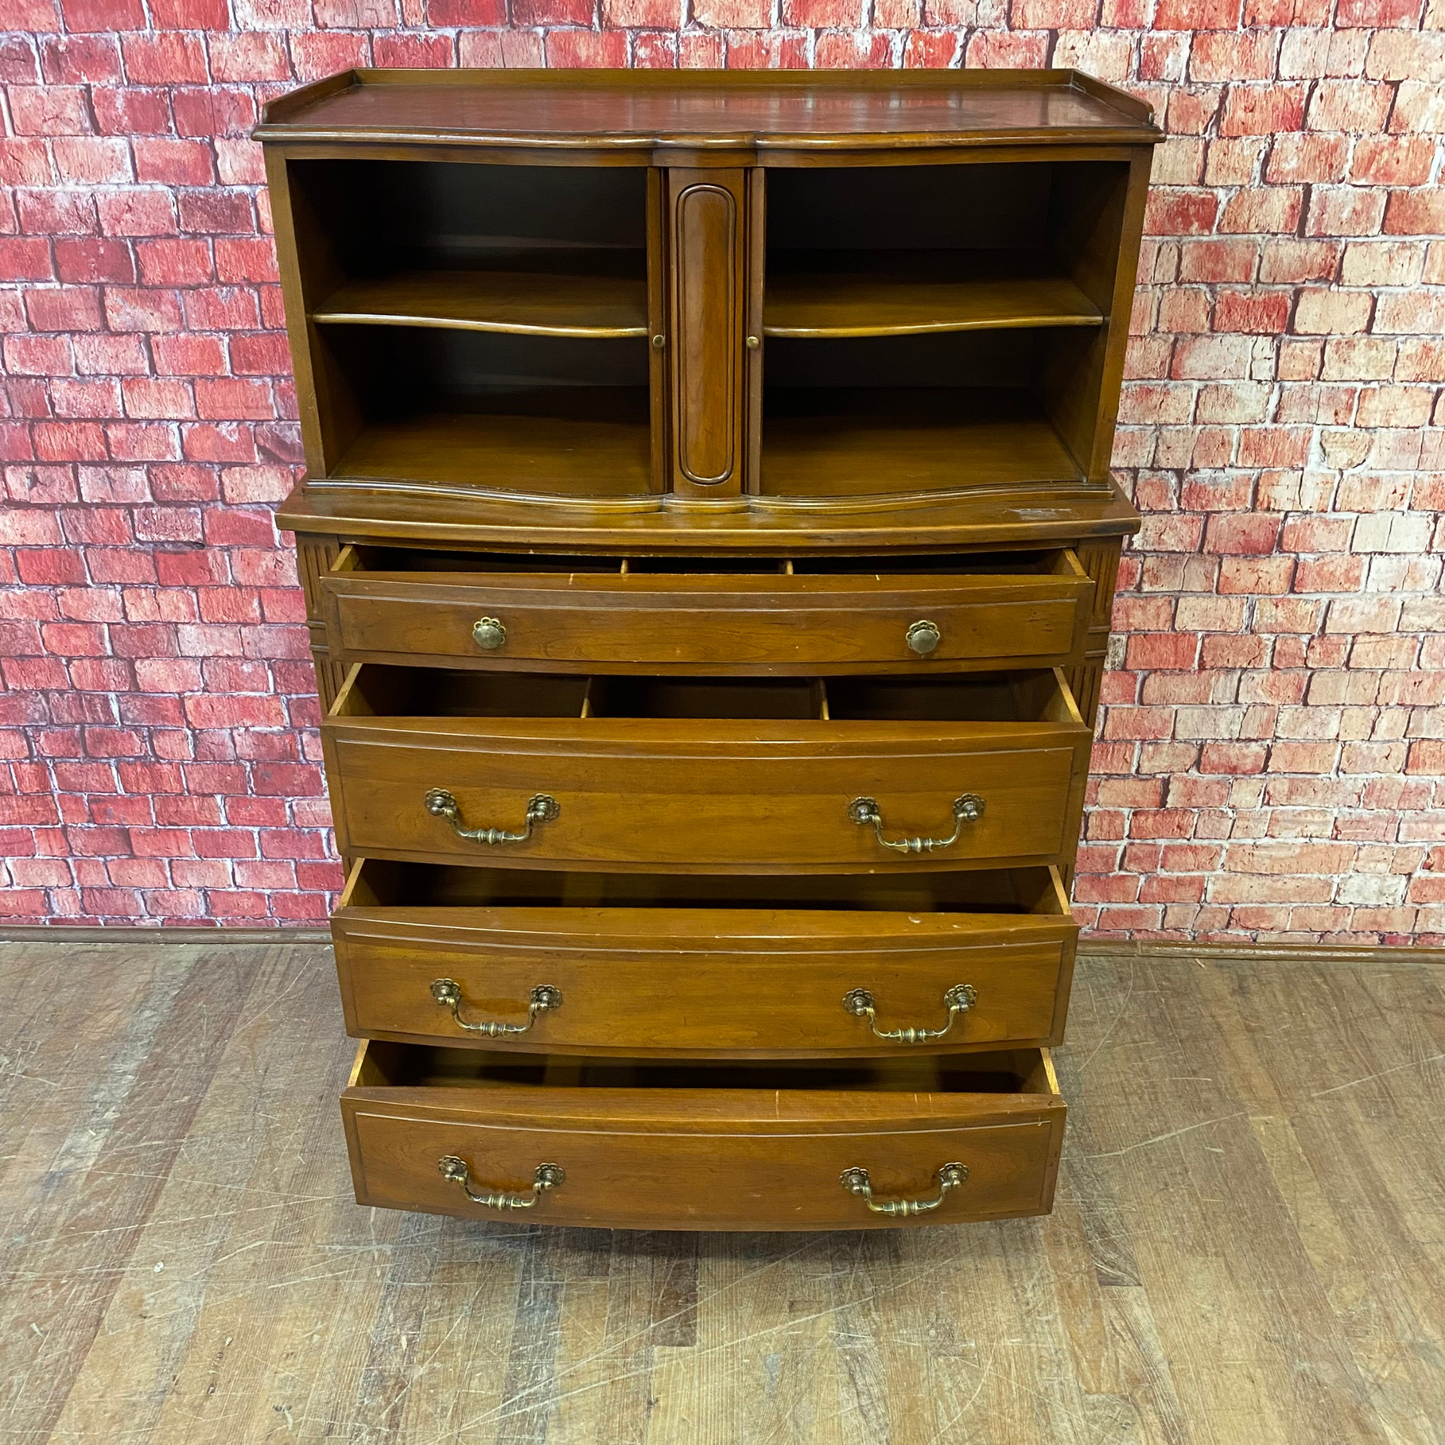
814,615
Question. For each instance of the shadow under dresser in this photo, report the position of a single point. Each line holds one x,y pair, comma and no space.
709,548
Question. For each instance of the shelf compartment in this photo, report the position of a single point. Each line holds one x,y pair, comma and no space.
592,294
582,442
853,293
863,441
529,415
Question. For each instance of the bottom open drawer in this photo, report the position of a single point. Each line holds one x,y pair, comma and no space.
632,1145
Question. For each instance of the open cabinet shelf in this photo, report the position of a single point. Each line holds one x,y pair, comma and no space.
562,441
589,294
841,293
860,441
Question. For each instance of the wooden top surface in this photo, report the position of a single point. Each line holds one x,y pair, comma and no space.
611,109
664,523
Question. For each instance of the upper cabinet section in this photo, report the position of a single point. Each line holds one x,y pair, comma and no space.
809,291
629,113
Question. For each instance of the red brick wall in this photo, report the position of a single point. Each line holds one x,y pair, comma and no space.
1271,757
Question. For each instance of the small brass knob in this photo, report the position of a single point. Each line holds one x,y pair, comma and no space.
488,633
923,637
753,343
658,342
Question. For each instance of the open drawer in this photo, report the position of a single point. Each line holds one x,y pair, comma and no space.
672,965
624,1144
593,614
706,774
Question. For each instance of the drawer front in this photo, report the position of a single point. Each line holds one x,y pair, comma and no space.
725,983
618,1180
699,1158
694,797
710,623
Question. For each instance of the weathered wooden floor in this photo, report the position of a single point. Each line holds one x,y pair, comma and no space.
1248,1245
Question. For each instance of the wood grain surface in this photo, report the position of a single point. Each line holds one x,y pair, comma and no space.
861,441
899,293
714,982
463,515
676,956
577,441
855,622
638,1153
528,298
738,776
617,111
707,244
1244,1248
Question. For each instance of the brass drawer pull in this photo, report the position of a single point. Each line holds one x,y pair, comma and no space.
448,993
923,637
958,1000
545,1177
949,1176
540,809
488,633
967,809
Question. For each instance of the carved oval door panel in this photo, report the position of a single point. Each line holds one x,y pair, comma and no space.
707,325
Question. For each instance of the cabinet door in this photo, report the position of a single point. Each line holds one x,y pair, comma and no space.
707,216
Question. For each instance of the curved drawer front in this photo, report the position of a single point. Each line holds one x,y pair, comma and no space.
670,1155
726,982
701,623
631,794
703,774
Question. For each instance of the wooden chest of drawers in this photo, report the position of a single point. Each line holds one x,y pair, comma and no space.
709,549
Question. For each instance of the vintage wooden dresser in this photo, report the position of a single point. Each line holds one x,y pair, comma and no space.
709,546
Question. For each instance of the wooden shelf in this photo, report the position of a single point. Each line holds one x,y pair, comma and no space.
902,293
863,441
546,295
555,441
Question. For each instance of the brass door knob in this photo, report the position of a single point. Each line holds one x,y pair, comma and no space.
488,633
923,637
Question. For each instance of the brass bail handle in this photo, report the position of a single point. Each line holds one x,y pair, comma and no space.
856,1181
544,1177
542,808
966,809
448,993
958,1000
